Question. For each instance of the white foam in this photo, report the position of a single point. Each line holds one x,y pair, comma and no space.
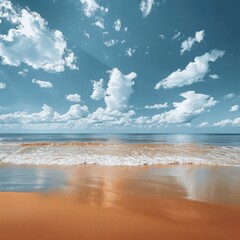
112,156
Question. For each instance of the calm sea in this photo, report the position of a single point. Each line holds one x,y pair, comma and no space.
199,139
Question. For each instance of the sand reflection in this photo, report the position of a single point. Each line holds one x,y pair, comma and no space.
118,186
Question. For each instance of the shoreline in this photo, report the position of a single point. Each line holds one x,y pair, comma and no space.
118,154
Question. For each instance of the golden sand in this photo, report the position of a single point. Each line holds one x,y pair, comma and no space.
31,216
117,203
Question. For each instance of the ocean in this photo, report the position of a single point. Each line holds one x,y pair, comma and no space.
120,149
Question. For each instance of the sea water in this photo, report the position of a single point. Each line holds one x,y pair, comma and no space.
120,149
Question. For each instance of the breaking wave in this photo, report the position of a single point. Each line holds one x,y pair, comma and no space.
77,153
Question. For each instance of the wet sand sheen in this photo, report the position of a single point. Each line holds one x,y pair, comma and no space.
128,203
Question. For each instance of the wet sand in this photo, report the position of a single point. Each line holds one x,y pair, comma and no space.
181,202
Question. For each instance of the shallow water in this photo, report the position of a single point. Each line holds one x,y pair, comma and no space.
31,179
108,186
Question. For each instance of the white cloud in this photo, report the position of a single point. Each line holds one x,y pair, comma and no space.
98,90
99,23
214,76
177,35
42,84
91,6
232,122
119,90
187,44
157,106
73,97
75,112
229,96
146,7
23,72
194,72
31,42
130,52
116,97
162,36
234,108
203,124
46,115
106,119
86,34
193,105
2,85
69,61
117,25
110,43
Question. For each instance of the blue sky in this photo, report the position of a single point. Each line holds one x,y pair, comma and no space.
119,66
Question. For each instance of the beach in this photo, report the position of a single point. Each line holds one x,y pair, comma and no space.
125,186
149,202
119,120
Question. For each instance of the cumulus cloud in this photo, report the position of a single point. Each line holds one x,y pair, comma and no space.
119,90
46,115
203,124
23,72
157,106
42,84
98,90
117,25
229,96
116,97
73,97
194,72
187,44
91,6
75,112
231,122
214,76
31,42
177,35
106,118
99,23
86,34
184,112
234,108
2,85
130,52
161,36
110,43
146,7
